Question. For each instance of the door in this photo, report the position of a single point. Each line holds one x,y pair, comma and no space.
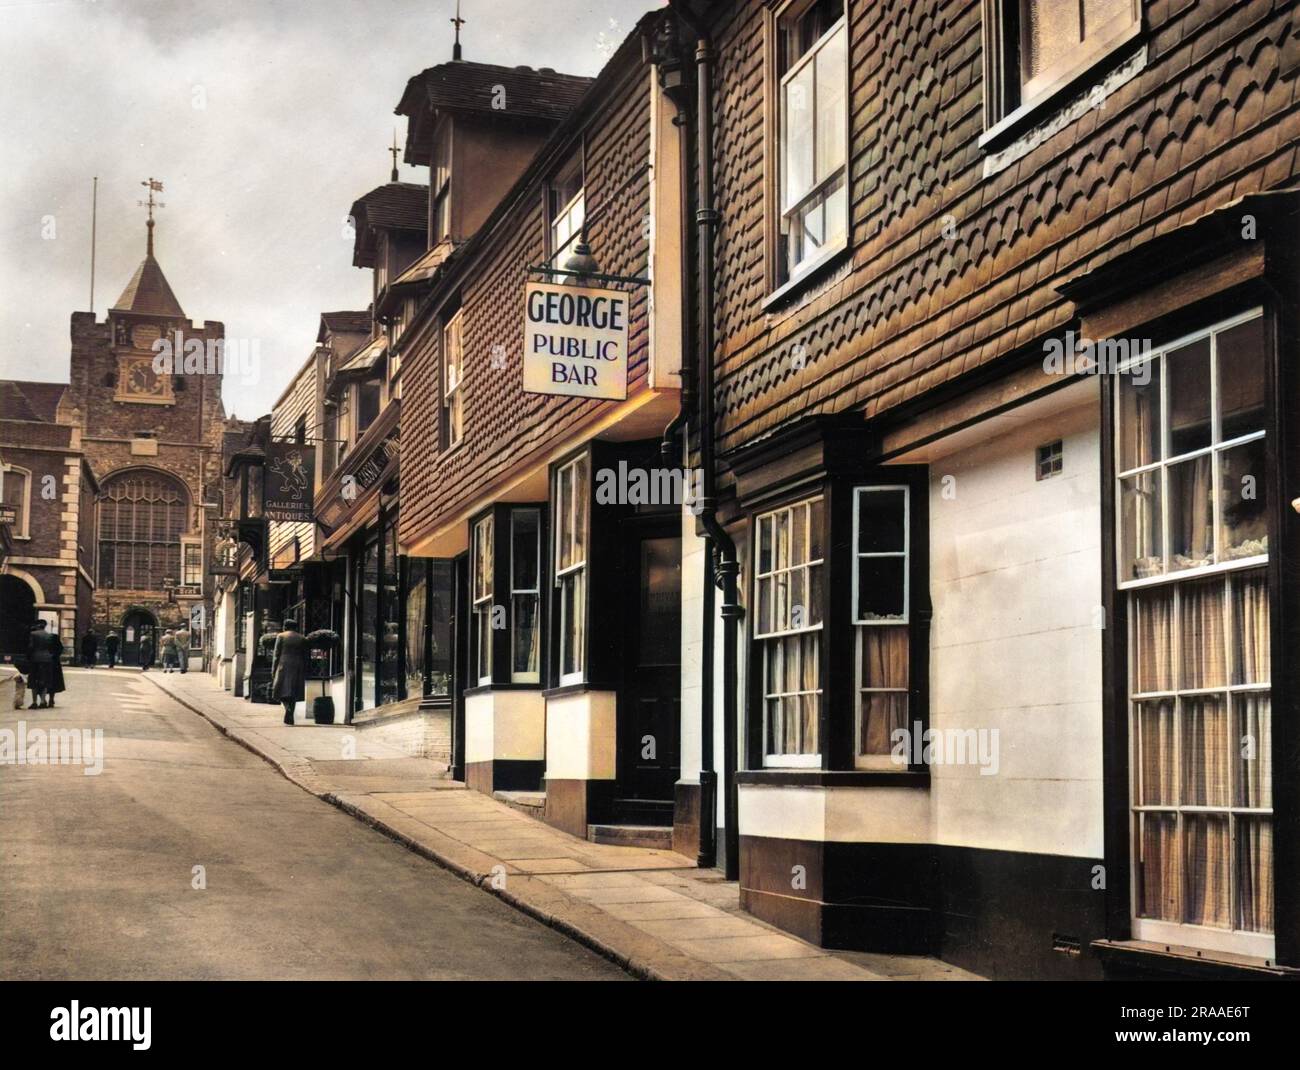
135,626
650,710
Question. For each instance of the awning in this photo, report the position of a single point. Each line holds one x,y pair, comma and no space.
365,359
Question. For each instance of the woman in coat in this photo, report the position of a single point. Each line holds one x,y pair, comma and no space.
45,657
146,651
289,668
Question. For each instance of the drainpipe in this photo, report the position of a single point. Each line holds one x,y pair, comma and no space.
673,78
726,567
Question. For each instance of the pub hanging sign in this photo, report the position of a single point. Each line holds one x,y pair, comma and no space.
290,468
575,341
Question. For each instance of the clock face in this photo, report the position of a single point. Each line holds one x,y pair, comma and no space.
142,379
144,336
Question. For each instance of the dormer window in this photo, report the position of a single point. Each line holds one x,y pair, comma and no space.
440,186
566,210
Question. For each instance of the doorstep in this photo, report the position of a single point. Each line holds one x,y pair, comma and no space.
532,803
659,836
650,910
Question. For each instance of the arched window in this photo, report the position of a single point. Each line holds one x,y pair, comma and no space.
17,495
142,516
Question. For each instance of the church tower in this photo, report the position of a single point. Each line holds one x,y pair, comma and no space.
151,429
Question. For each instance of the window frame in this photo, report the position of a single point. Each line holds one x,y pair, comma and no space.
577,168
453,393
1007,105
482,604
780,280
876,761
536,593
576,570
774,640
25,506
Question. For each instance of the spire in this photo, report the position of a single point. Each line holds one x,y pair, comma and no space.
458,22
153,186
394,151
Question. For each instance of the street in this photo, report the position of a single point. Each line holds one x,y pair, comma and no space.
98,872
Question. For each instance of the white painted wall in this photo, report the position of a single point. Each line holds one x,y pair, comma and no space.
509,725
580,736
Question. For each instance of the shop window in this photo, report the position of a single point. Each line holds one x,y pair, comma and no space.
1035,48
16,494
571,512
428,627
525,595
391,679
788,580
1193,543
812,78
452,376
881,527
483,566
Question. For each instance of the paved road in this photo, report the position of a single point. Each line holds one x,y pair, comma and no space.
96,872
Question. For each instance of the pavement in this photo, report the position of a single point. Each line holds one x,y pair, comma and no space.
187,858
650,911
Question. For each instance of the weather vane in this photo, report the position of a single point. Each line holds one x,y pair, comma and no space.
458,22
154,186
394,150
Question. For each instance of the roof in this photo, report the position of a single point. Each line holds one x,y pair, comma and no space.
361,363
148,292
427,265
32,401
394,206
473,88
343,323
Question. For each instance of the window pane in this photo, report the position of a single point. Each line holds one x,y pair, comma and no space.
815,512
798,535
880,714
525,640
1240,352
1206,862
1139,416
1160,871
765,605
798,599
1050,32
1252,747
1156,758
1255,874
884,654
1141,549
798,137
581,497
816,595
1205,751
880,521
1153,640
1191,514
1243,516
880,588
1188,369
1201,635
832,115
564,517
1250,628
782,539
524,529
764,544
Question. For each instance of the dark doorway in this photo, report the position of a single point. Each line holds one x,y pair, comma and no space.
650,707
136,624
17,616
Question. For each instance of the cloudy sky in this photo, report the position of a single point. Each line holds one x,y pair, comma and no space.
264,119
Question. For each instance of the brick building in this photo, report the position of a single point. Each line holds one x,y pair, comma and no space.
143,410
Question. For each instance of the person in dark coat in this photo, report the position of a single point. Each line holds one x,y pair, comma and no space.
146,651
45,657
89,649
110,648
289,668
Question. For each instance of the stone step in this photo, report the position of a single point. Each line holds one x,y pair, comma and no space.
531,803
654,836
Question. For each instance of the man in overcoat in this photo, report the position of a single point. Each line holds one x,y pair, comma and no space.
289,668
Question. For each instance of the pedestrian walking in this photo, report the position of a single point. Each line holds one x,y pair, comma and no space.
89,649
169,651
146,651
183,650
45,654
111,642
289,668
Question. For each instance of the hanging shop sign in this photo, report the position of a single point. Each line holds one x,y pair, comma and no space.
288,486
575,341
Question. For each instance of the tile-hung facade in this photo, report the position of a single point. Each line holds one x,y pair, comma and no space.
1001,315
567,602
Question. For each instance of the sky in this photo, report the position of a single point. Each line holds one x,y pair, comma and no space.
264,120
